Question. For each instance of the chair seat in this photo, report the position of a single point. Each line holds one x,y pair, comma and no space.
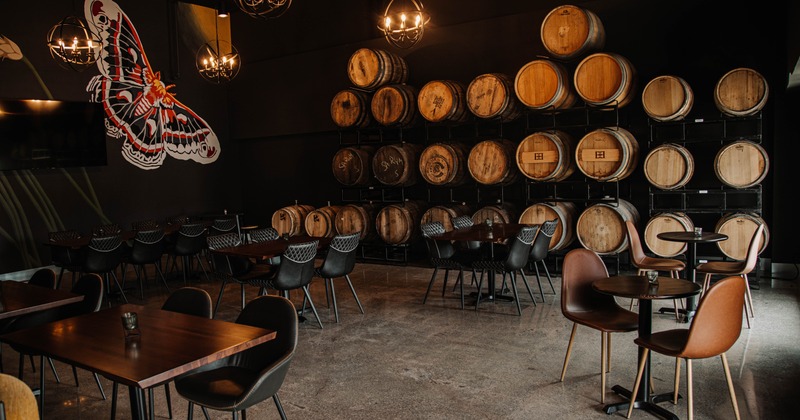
608,320
258,274
661,264
669,343
221,388
721,267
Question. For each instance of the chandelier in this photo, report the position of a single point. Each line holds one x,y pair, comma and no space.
218,60
404,22
72,44
264,9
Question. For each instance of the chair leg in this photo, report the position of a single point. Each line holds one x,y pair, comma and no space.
748,296
608,352
638,381
161,273
114,391
547,273
99,385
121,292
460,281
190,412
480,284
538,280
677,380
730,384
333,298
352,289
205,412
514,289
313,308
444,285
279,406
75,374
528,286
243,295
151,404
690,390
430,284
219,298
169,399
202,267
603,349
53,368
569,351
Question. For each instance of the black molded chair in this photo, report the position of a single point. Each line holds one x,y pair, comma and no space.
223,225
231,268
339,262
186,300
518,252
148,248
539,249
190,242
250,377
43,277
64,257
442,255
106,230
103,256
295,272
264,235
145,225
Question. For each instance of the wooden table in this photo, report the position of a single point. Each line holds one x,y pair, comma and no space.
170,344
18,298
637,287
691,260
497,233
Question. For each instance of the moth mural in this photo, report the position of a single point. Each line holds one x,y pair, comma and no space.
140,108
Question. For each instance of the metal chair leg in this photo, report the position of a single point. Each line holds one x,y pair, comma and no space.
430,284
219,298
313,308
279,406
352,289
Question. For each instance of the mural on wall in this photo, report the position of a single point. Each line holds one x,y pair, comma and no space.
141,110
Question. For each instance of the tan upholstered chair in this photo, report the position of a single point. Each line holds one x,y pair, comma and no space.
18,401
581,304
644,263
736,268
714,330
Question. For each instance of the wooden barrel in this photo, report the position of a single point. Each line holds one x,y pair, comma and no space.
399,223
395,105
669,166
565,213
544,84
350,109
605,79
371,68
354,218
396,164
321,222
490,96
491,162
571,31
601,227
444,214
497,213
741,164
290,219
546,156
741,92
607,154
351,165
667,222
444,163
740,228
667,98
443,100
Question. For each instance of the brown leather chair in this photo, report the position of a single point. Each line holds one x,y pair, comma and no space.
714,330
736,268
581,304
644,263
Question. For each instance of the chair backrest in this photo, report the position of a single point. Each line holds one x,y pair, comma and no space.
63,255
753,250
148,246
106,230
91,287
264,235
718,321
520,248
43,277
462,222
436,248
634,244
191,239
223,225
177,220
579,269
541,243
224,264
18,400
189,301
103,254
145,225
297,266
341,256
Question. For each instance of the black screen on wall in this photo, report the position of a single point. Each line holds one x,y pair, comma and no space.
51,134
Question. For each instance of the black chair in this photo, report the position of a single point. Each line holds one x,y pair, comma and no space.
264,235
240,381
106,230
339,262
186,300
231,268
43,277
103,256
442,255
539,249
295,272
517,257
190,242
145,225
224,225
148,248
64,257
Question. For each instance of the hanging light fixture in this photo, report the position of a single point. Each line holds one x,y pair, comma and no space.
264,9
404,22
72,44
218,60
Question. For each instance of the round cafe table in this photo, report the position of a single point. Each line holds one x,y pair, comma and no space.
637,287
691,259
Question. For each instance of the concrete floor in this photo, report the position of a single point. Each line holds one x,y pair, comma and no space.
405,360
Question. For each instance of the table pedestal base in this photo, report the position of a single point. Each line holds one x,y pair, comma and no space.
687,315
648,405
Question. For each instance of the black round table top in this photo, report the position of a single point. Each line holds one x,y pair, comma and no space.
681,236
637,287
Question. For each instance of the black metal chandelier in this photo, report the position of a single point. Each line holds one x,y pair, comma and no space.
264,9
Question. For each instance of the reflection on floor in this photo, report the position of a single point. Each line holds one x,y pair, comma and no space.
406,360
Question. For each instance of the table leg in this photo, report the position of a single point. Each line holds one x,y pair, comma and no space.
137,402
41,386
691,263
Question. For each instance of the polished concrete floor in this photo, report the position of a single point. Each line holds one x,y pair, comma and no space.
406,360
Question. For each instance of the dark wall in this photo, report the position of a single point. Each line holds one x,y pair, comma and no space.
278,100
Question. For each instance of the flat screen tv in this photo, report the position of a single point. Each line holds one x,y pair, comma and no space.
51,134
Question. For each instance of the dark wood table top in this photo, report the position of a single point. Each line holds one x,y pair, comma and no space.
127,235
269,249
498,232
17,298
170,343
682,236
637,287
